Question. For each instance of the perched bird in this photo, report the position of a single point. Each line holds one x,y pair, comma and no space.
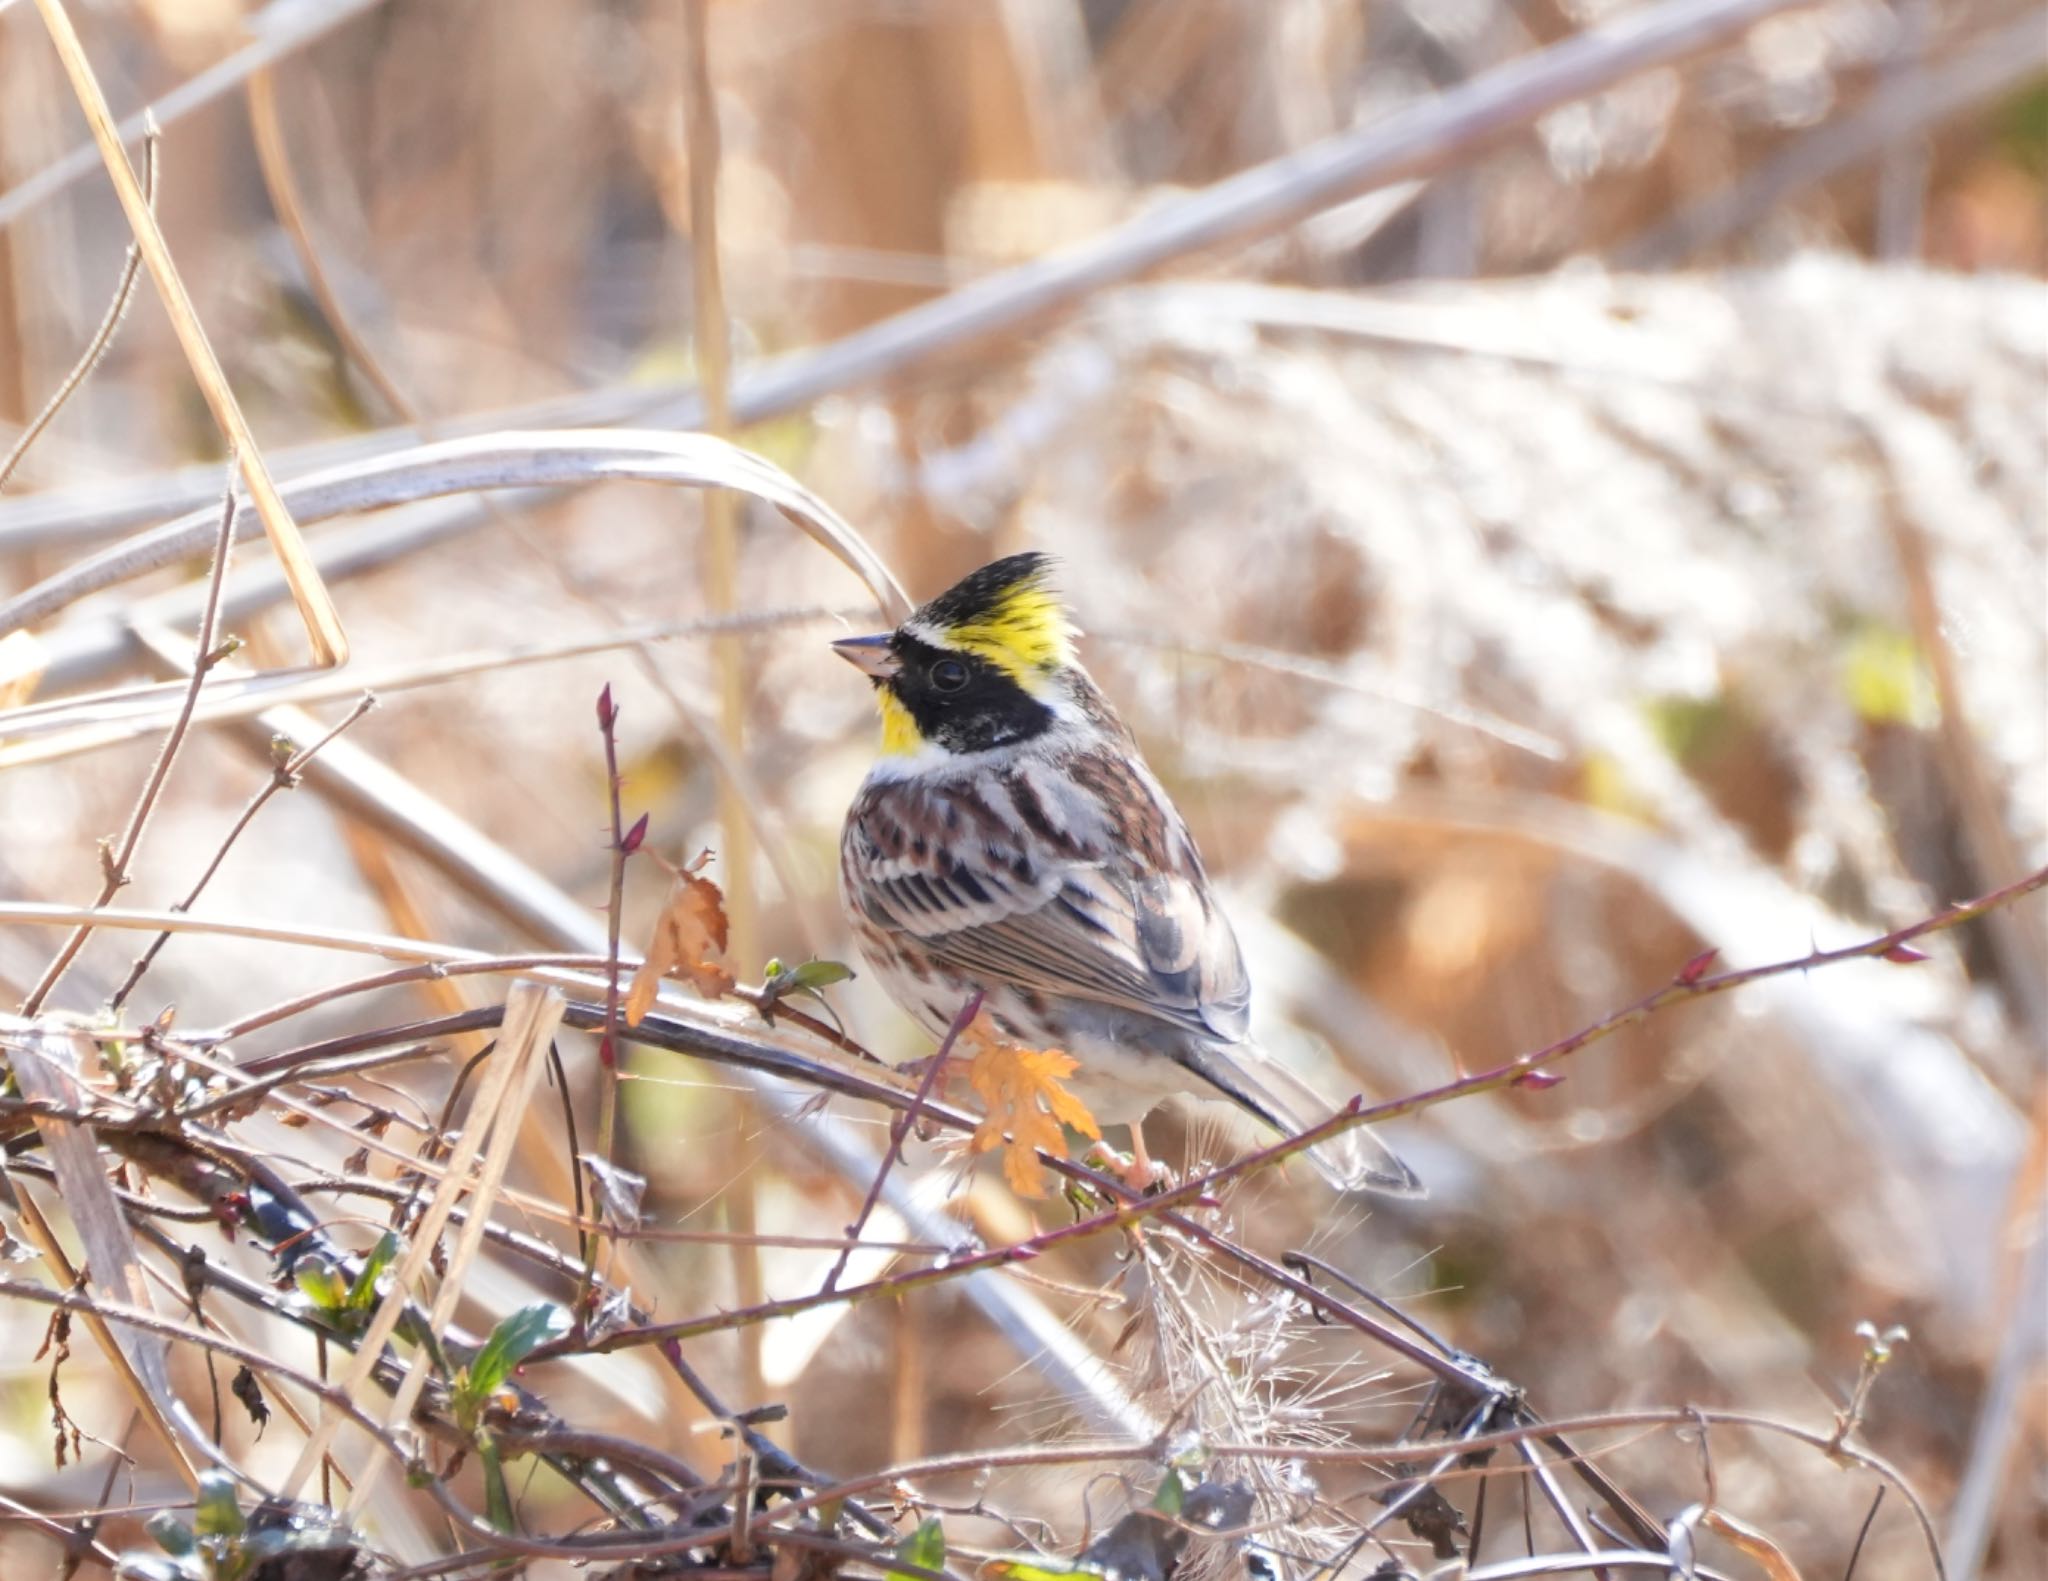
1010,838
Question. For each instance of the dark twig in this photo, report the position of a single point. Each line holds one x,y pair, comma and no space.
1555,1497
698,1039
976,1462
1863,1533
1306,1260
898,1130
83,1539
116,861
284,775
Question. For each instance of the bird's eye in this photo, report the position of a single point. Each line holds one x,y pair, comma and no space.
949,675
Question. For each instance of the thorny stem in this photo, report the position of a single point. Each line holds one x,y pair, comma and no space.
898,1130
607,1048
1192,1192
1682,987
608,1042
283,776
1689,984
205,657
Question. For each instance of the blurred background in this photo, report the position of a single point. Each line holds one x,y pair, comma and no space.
1617,532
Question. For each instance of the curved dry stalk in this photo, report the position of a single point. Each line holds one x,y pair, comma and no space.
1436,132
504,460
240,696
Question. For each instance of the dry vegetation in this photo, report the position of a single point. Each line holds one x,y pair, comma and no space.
1556,486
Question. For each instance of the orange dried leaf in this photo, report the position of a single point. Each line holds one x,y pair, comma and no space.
1026,1104
689,939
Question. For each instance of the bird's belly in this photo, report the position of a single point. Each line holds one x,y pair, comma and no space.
1119,1079
1121,1084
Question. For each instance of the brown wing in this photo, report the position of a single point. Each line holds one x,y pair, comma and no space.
1074,878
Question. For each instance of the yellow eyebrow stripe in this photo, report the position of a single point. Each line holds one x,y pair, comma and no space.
1026,632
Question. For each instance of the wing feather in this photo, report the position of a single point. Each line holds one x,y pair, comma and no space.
1107,900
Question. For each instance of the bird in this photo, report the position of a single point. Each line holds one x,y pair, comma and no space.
1010,839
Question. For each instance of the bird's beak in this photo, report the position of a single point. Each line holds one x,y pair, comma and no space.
872,656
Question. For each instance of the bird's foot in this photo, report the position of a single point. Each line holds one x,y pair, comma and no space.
1136,1169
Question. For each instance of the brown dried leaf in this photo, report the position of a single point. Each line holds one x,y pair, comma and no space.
688,940
1021,1090
1770,1558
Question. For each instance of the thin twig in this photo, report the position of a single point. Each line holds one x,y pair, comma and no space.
283,776
978,1463
898,1130
116,862
103,337
1130,1210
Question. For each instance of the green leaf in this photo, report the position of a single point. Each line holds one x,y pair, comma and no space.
779,982
362,1295
1172,1494
172,1535
510,1343
497,1497
925,1548
216,1511
813,975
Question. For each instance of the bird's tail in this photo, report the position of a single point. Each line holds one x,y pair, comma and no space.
1355,1161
